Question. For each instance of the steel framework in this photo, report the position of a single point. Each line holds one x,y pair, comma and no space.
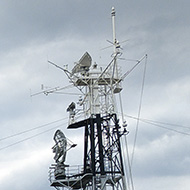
103,162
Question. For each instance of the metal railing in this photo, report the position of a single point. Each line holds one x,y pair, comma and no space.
70,171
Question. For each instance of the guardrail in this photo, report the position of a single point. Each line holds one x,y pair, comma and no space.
70,171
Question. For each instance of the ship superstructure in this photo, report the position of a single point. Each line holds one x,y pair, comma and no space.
103,166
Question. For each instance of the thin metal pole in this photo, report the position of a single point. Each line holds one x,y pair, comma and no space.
113,27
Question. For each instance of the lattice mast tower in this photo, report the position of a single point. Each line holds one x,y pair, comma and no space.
103,162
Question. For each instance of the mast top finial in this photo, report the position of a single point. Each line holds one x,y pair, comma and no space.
113,11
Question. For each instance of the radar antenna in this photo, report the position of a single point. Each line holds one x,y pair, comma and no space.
103,166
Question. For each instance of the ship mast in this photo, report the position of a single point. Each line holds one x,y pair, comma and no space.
103,161
113,28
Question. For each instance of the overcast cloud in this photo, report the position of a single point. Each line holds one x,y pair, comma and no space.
33,32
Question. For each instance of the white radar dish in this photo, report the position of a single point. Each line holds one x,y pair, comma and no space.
83,65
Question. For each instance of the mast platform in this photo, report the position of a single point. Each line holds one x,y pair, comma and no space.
74,182
100,81
103,166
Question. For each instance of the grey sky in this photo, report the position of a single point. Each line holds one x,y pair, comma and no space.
34,31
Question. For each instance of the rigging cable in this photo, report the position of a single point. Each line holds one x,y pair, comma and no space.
166,128
160,124
29,137
139,111
129,174
165,123
32,129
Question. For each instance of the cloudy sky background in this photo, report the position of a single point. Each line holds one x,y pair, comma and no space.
61,31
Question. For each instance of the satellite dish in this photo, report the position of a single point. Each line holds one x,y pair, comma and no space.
71,107
83,65
60,146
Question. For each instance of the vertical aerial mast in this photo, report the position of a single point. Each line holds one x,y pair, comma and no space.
102,166
113,28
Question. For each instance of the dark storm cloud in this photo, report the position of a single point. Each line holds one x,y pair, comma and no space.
164,157
26,21
161,30
63,31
